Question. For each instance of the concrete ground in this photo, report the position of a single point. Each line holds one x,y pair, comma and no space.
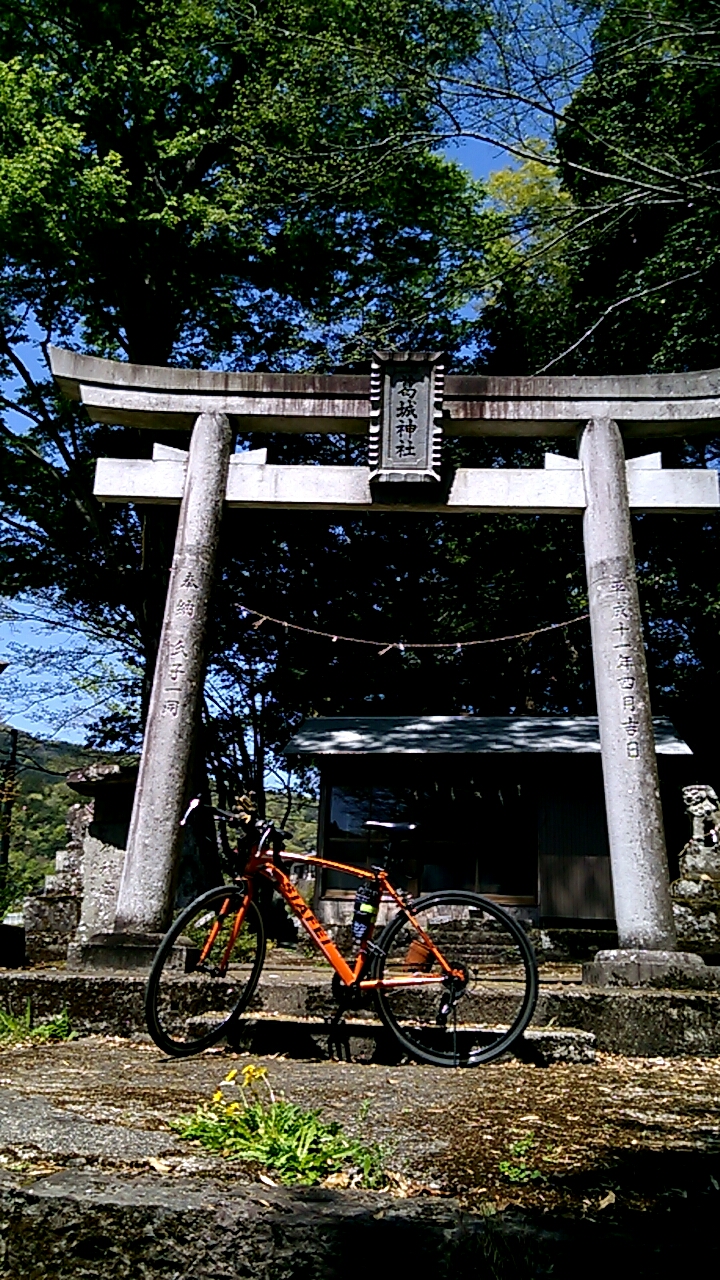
601,1138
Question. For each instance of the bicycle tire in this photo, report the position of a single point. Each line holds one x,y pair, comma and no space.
486,1014
179,998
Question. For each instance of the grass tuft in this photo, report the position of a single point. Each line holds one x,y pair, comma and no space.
14,1030
292,1143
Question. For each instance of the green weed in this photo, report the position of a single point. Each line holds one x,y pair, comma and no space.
296,1145
518,1169
14,1030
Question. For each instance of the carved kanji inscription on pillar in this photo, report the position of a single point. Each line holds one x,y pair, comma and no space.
619,599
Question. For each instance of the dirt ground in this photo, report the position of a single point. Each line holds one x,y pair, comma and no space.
620,1134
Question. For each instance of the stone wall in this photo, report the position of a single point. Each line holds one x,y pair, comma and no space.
79,898
103,851
52,914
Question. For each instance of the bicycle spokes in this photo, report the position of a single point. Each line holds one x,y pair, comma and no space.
466,999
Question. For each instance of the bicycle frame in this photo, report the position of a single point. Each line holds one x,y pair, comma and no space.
261,863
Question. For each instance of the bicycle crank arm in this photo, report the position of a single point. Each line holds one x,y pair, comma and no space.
419,980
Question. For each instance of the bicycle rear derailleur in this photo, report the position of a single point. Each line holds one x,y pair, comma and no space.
455,989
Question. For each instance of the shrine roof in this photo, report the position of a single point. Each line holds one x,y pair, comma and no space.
462,735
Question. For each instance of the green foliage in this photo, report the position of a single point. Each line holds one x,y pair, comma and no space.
625,258
518,1169
18,1030
302,822
194,181
610,265
38,823
20,878
294,1144
611,260
637,151
197,183
526,302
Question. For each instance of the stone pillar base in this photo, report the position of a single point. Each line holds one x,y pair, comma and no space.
131,952
671,970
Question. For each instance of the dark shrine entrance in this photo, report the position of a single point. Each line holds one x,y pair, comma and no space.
467,816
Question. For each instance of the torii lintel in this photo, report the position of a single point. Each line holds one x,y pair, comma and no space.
171,399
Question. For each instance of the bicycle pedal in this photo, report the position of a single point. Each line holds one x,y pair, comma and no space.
443,1012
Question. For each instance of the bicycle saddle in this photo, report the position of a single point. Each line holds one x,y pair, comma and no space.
392,828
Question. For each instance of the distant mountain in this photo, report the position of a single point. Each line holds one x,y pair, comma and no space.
41,759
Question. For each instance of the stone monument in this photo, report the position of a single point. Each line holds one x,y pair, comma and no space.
696,892
51,914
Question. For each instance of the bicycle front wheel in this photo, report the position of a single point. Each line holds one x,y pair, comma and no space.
474,1015
202,977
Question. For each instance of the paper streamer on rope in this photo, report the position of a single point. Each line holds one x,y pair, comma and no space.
384,646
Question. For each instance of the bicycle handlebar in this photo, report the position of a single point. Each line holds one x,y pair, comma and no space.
194,804
266,828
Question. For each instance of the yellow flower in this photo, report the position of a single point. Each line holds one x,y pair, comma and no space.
251,1073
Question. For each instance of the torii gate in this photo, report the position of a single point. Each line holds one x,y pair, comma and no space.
405,406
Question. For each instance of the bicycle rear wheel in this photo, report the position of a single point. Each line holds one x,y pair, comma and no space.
461,1021
196,989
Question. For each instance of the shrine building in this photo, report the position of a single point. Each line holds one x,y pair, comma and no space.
509,806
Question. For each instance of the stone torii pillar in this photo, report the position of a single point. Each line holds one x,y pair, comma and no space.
638,857
149,875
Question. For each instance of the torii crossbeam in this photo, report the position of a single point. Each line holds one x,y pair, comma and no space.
405,407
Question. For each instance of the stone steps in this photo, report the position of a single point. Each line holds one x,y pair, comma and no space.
644,1023
357,1039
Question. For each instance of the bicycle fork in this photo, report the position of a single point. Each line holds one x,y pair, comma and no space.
237,926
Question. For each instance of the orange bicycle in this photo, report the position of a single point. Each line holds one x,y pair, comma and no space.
452,975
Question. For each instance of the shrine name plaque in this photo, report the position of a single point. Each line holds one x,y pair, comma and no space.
406,395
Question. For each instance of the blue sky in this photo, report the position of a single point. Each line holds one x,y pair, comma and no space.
480,158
